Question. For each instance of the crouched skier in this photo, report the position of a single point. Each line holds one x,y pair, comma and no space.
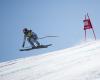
31,38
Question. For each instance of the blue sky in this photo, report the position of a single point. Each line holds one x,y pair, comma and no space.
63,18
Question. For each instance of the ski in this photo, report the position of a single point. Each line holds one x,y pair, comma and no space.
41,46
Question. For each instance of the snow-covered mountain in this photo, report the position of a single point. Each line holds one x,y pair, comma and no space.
80,62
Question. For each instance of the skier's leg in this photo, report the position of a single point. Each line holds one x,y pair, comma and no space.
31,42
38,44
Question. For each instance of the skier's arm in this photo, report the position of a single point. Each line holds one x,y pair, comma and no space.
24,41
35,35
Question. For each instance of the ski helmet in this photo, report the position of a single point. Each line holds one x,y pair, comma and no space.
25,30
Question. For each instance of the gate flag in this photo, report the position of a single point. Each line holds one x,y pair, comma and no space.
88,25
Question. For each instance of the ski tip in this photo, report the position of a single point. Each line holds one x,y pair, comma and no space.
50,44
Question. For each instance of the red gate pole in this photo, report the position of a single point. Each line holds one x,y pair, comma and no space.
88,16
85,35
85,29
94,33
92,27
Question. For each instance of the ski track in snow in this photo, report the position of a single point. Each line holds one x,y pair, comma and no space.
77,63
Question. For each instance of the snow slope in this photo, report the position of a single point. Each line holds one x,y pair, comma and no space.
80,62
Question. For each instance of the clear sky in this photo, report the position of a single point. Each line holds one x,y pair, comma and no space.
63,18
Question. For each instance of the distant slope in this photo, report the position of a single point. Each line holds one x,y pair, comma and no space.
80,62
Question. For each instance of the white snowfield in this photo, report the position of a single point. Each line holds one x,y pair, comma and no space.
80,62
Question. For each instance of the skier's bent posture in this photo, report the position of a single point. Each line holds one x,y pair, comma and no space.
31,38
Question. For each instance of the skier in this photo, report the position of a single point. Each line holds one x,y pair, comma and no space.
31,38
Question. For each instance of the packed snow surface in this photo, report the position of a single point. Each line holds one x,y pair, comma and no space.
80,62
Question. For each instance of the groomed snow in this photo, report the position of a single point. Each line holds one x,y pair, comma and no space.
80,62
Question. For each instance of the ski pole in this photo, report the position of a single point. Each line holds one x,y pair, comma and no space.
47,36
